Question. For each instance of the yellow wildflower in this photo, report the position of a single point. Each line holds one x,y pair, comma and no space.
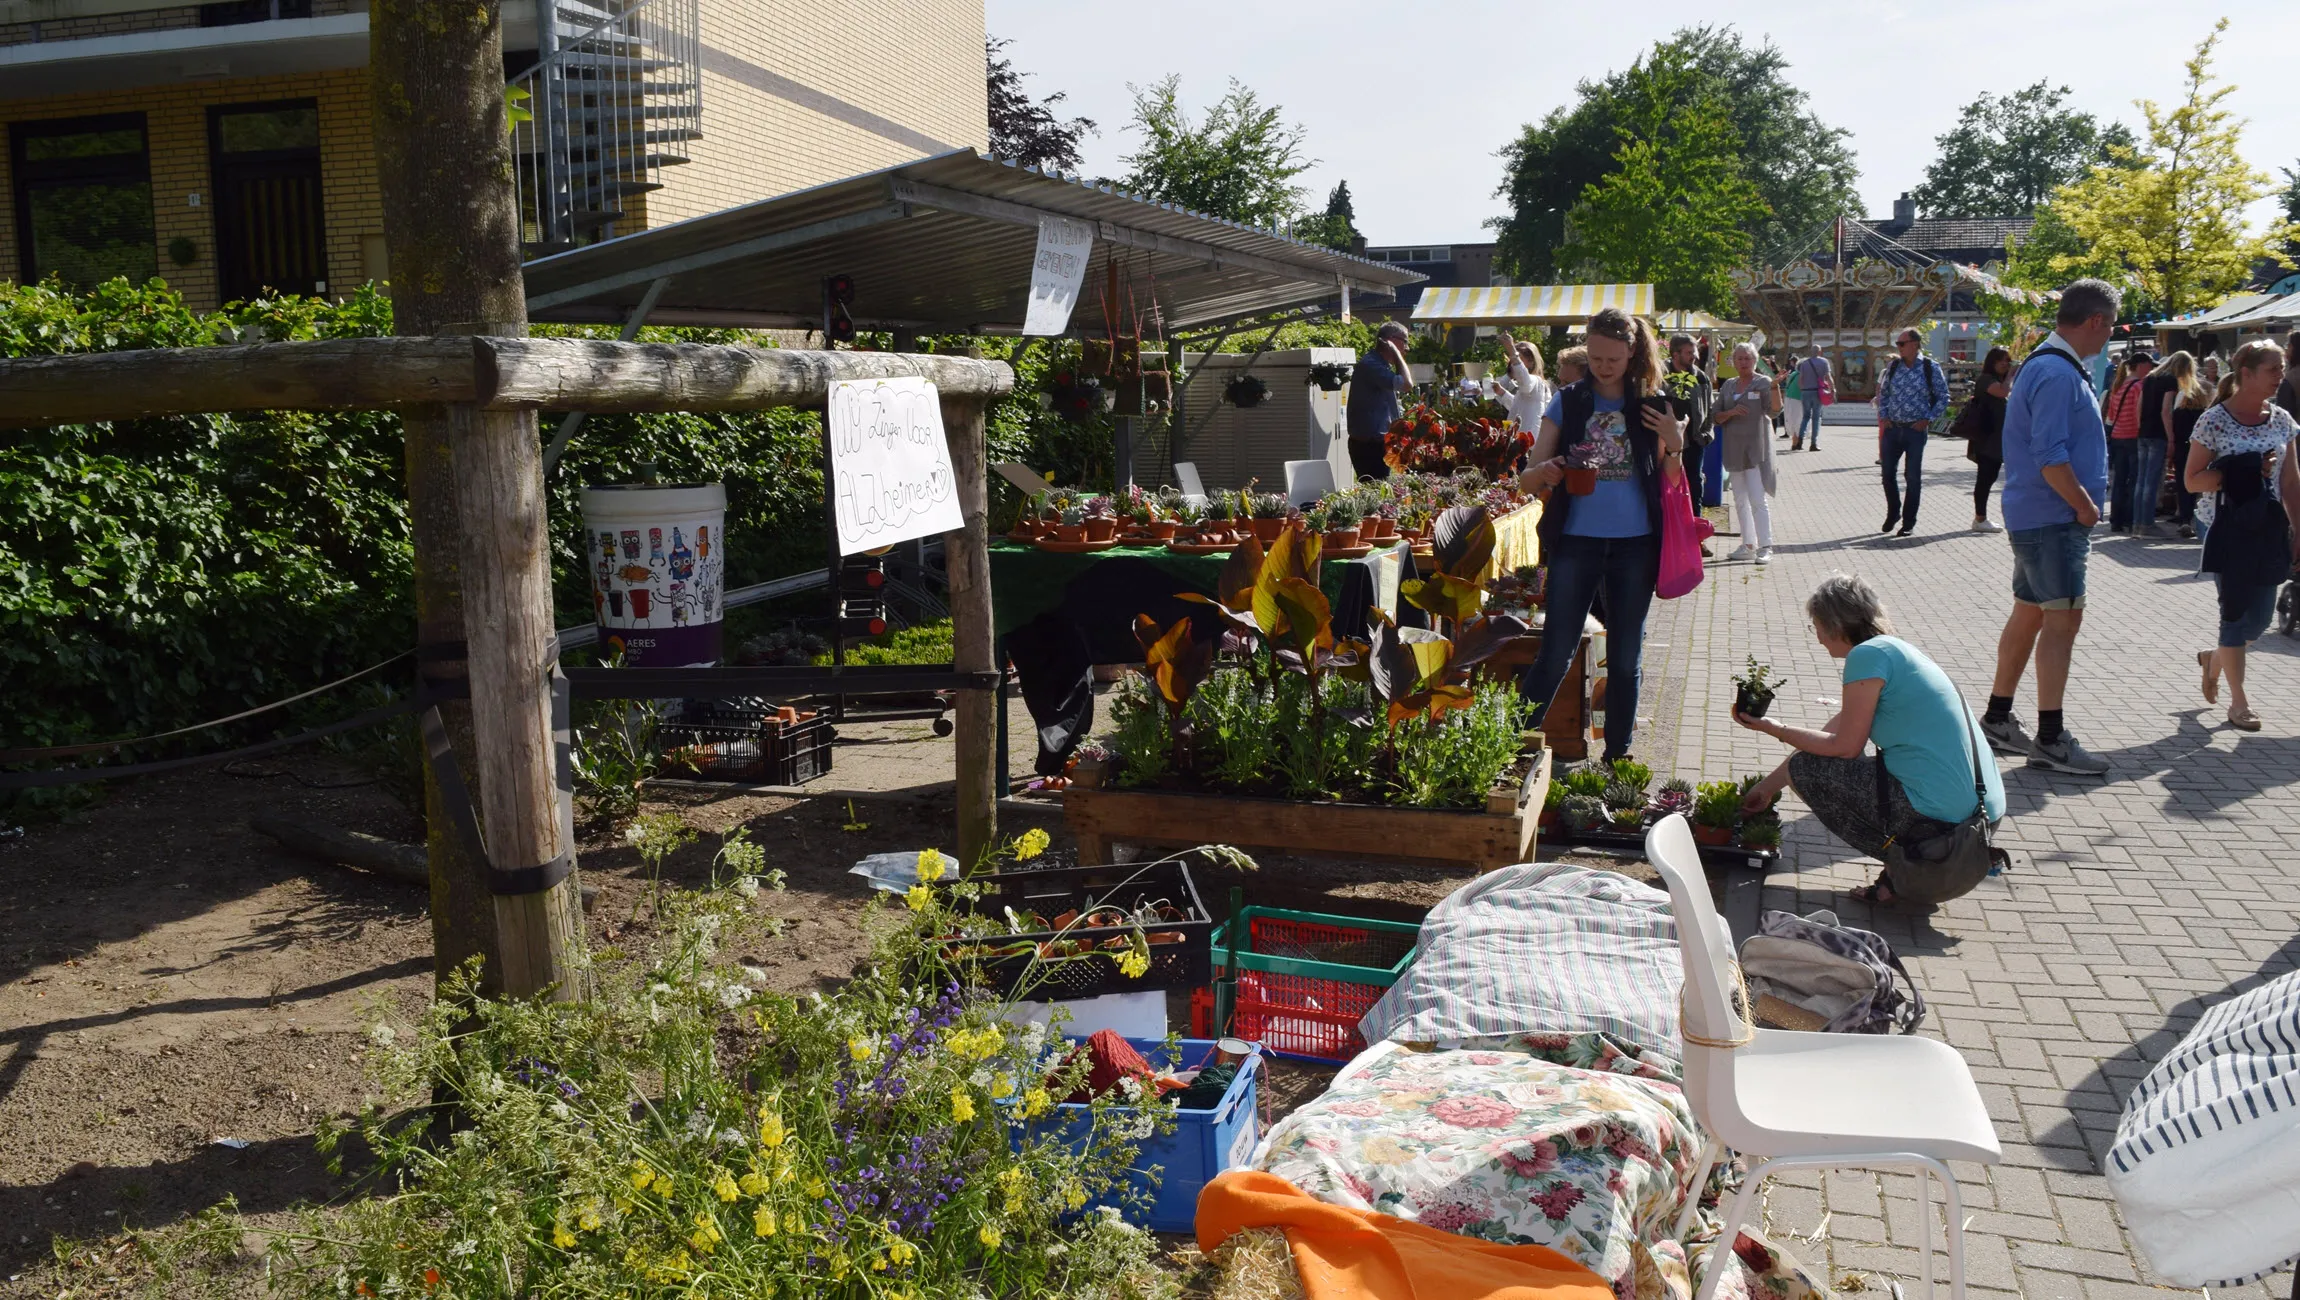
990,1235
1133,963
919,897
815,1189
901,1252
560,1237
752,1184
763,1221
878,1264
1013,1182
860,1048
623,1204
961,1107
1036,1103
932,865
1074,1197
725,1187
840,1265
771,1130
589,1219
1032,843
1001,1087
641,1175
706,1236
976,1044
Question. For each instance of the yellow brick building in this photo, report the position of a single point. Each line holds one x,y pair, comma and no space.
227,147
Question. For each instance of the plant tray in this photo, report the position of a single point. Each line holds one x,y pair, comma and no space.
1183,964
748,743
1483,839
1305,979
1715,855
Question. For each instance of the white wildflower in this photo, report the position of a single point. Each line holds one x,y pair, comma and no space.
733,995
382,1035
980,1078
747,886
561,1110
755,974
1130,1088
634,836
698,1125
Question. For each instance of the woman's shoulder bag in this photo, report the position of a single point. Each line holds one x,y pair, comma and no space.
1945,866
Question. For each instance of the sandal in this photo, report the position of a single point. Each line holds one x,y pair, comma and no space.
2206,660
1878,894
2243,720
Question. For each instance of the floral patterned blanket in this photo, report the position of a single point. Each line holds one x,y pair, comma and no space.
1576,1142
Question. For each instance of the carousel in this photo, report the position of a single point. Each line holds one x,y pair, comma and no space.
1850,298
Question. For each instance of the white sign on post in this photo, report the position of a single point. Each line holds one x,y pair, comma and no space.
891,479
1064,247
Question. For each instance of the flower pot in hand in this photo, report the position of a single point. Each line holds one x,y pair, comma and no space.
1580,482
1101,530
1751,704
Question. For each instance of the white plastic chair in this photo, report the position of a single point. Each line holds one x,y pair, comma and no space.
1808,1101
1193,489
1307,480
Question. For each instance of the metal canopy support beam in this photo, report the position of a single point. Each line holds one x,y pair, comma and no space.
1020,214
573,421
780,240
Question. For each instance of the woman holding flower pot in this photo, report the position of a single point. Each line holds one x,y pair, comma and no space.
1928,775
1606,442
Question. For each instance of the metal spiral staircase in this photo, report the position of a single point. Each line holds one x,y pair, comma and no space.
614,96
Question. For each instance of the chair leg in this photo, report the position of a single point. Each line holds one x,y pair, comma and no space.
1710,1155
1925,1227
1734,1217
1956,1234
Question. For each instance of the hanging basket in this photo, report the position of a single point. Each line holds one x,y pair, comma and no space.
1245,391
1330,376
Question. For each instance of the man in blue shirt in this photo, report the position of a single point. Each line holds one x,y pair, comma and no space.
1373,402
1912,395
2056,473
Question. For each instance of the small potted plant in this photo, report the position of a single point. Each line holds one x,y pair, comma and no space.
1675,798
1716,811
1754,689
1268,511
1072,527
1762,831
1381,521
1581,468
1551,800
1627,820
1634,775
1101,519
1330,375
1340,524
1581,814
1166,514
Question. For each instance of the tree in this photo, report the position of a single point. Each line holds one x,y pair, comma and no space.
2008,154
1239,163
1802,167
2290,202
2171,211
1026,133
1336,227
1676,208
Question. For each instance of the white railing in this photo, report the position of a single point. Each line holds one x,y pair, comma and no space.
613,99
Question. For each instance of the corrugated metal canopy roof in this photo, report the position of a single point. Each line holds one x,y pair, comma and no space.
942,244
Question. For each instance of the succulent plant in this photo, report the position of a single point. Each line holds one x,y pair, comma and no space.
1677,785
1269,505
1074,514
1623,794
1342,511
1587,780
1762,831
1581,813
1672,801
1627,818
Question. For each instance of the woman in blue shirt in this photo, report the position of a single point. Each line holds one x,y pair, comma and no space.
1928,742
1608,539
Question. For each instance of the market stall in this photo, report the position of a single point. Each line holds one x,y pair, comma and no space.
1529,304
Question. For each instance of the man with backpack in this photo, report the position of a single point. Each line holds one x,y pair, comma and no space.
1912,394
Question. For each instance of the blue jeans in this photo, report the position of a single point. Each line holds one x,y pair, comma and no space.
1809,423
2123,469
1579,568
2148,481
2049,565
2245,611
1904,440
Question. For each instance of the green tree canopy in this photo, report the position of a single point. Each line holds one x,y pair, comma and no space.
1802,168
1239,162
1336,227
2171,211
1676,208
1025,132
2009,153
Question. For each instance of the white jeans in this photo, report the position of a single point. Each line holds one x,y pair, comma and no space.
1750,507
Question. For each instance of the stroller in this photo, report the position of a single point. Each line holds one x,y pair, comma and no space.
2288,608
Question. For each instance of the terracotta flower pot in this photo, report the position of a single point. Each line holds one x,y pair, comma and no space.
1580,482
1712,834
1267,530
1378,529
1101,530
1163,530
1070,532
1548,819
1338,538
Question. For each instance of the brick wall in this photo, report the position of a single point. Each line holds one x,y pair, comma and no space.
913,65
176,120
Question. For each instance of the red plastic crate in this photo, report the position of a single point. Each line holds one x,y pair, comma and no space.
1293,1013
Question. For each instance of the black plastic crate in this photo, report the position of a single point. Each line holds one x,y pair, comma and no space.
747,742
1183,963
798,752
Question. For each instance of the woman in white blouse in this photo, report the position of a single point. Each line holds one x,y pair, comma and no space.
1526,391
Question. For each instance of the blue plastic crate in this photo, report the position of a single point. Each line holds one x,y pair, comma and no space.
1203,1143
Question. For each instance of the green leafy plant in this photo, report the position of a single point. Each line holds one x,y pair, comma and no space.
1620,794
614,751
1581,813
1588,779
1637,776
1754,689
1762,831
1717,804
1268,505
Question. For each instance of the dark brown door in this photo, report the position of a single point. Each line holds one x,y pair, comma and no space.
271,229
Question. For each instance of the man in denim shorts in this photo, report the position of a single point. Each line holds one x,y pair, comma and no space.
2056,473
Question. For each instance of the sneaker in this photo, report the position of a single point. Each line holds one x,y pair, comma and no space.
1765,555
1744,552
1984,526
2008,737
2065,755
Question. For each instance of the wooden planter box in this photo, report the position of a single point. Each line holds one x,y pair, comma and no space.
1499,836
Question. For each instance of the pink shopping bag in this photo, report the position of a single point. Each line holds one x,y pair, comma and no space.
1682,532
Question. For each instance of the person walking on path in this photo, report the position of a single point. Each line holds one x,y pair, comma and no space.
1744,409
1910,396
2127,399
1986,448
1790,408
1692,400
2056,473
1608,540
1524,388
2160,407
1373,404
1927,775
2189,405
1813,382
2288,392
2242,456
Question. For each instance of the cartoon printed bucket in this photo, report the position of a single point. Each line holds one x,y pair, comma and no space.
662,604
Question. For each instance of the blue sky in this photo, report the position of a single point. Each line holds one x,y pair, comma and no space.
1410,102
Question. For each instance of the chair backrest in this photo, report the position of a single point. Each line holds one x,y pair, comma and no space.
1307,480
1706,947
1186,471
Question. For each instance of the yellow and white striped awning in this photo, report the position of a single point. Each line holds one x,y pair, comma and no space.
1686,319
1530,304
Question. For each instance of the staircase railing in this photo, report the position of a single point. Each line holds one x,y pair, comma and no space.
615,95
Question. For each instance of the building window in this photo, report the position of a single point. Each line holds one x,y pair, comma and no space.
84,199
271,233
231,13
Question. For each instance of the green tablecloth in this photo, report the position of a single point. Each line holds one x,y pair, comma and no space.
1026,582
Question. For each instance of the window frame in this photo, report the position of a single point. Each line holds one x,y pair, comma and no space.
25,175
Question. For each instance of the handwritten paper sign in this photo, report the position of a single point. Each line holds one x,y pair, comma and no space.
1064,246
891,479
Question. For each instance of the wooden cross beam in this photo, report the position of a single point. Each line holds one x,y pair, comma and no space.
484,372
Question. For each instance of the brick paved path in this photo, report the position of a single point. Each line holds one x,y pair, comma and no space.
2133,903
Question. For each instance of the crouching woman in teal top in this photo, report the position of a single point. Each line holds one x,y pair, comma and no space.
1922,782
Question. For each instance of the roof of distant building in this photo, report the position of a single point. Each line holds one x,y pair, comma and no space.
1943,236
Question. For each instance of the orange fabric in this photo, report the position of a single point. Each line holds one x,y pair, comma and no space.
1345,1254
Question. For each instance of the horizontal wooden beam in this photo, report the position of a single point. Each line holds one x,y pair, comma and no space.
507,374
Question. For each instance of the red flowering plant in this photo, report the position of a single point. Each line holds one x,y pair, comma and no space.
1429,441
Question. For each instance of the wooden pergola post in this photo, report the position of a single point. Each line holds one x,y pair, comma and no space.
966,556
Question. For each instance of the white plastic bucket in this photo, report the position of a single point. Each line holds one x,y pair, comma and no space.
657,555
